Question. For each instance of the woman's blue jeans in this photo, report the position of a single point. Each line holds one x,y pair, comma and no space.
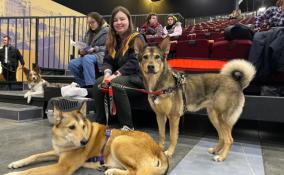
83,69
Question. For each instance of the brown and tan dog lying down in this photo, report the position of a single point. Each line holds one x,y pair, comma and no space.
221,94
75,140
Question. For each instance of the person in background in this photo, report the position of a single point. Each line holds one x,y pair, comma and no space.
9,57
120,67
173,28
235,14
152,28
83,68
273,16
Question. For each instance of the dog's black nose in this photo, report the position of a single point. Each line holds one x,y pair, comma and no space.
84,142
151,68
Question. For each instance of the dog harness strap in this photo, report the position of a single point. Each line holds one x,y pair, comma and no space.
180,79
100,158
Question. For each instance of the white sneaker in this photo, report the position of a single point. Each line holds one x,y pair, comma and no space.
126,128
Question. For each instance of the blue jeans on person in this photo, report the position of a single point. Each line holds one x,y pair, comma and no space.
83,69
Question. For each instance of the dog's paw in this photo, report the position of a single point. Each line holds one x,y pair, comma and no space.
218,158
16,164
110,172
212,151
26,95
29,99
169,153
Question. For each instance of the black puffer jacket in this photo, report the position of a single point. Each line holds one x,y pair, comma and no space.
267,52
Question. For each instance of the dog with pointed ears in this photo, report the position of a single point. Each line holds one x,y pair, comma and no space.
36,83
75,140
221,94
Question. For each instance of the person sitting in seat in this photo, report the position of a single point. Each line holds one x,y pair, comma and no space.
173,29
273,16
120,67
83,68
152,28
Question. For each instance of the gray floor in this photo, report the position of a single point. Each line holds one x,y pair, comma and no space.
264,153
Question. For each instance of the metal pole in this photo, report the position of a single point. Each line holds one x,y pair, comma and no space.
74,37
36,40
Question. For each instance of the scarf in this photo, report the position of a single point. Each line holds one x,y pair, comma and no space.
126,45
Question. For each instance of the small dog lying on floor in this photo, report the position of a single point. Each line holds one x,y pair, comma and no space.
35,83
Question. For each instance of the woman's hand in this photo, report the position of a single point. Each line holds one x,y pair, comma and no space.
91,50
108,77
82,52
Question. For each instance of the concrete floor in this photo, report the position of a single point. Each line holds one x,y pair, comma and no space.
21,139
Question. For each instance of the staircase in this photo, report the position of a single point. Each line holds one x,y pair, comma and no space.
20,112
14,106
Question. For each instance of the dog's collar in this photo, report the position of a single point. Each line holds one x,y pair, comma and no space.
100,158
179,79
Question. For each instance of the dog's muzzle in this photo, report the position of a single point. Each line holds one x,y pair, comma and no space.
151,69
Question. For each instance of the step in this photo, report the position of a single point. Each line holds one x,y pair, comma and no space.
17,97
59,78
20,112
52,71
12,86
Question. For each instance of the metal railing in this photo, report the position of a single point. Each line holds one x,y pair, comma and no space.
46,40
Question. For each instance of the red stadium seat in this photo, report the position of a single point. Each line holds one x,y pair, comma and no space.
193,48
231,49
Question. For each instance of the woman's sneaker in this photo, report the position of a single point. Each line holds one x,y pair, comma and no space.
126,128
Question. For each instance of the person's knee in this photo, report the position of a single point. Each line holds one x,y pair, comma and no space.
89,59
119,80
97,84
71,65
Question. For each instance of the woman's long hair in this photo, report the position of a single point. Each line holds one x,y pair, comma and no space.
111,41
99,19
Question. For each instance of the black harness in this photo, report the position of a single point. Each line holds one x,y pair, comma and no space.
179,84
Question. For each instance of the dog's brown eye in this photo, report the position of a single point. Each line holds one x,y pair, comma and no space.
157,57
72,127
145,57
84,126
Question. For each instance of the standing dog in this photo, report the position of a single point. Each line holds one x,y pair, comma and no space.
221,94
75,140
35,83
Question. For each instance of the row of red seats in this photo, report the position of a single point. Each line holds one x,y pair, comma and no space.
218,25
202,48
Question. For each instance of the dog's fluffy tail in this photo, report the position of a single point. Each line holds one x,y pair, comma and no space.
240,70
159,167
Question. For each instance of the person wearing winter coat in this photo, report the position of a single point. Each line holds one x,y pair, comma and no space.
83,68
173,28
